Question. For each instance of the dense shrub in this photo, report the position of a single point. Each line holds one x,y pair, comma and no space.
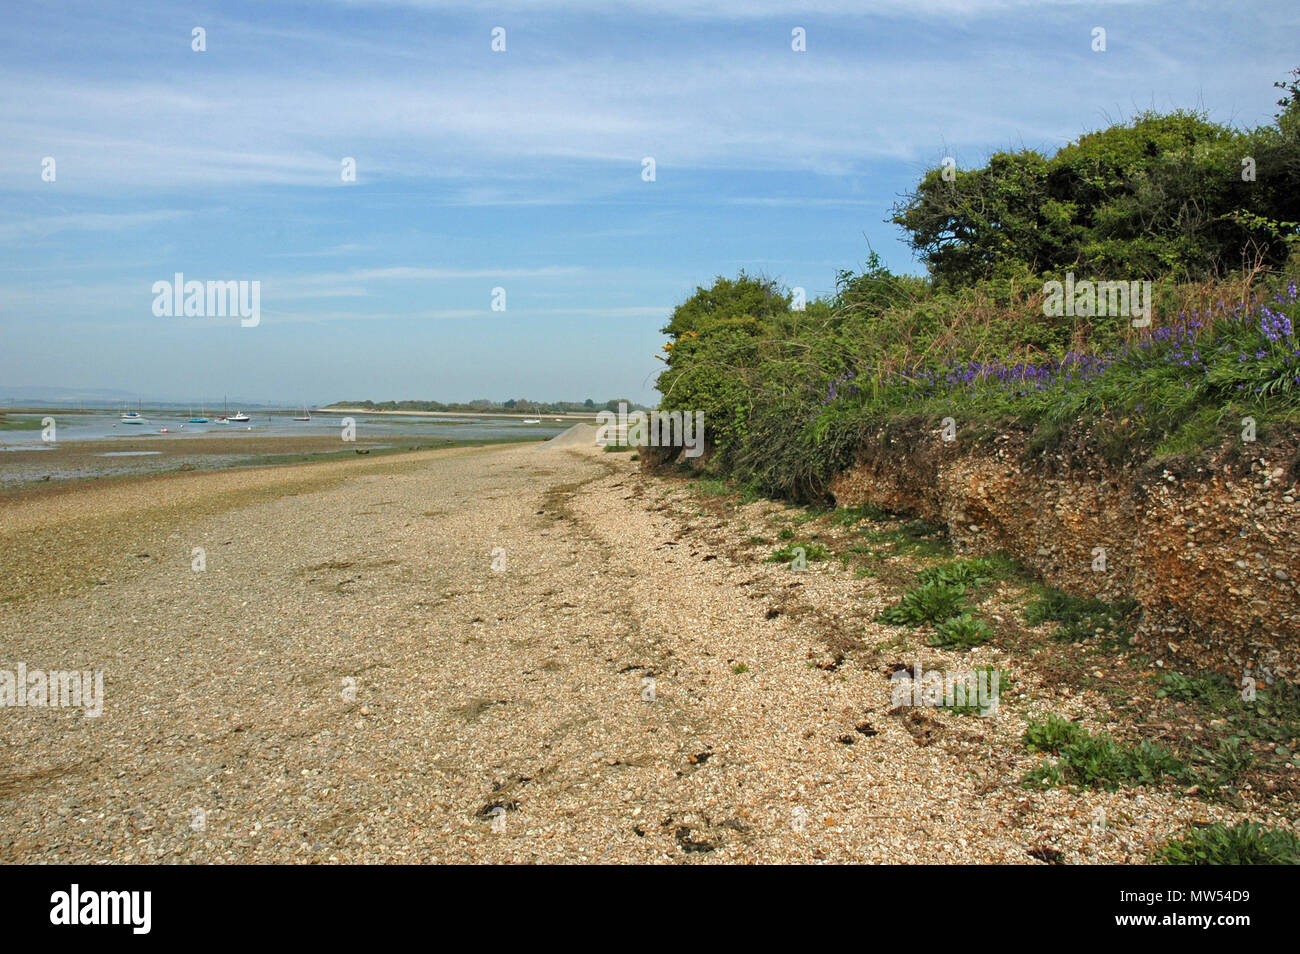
791,397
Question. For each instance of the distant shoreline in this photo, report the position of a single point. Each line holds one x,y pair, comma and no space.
573,416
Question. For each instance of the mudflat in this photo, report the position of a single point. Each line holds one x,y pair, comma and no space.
506,654
22,466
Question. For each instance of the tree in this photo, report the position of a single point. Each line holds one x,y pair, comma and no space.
1161,195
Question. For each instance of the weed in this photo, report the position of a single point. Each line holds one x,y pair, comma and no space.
1095,761
962,631
1245,843
929,603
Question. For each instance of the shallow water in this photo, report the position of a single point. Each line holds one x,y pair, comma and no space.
107,426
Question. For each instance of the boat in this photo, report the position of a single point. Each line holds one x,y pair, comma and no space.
240,418
132,417
201,419
532,420
306,415
226,417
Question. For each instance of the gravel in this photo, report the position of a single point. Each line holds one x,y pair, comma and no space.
449,656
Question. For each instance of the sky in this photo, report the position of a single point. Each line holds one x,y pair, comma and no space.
520,169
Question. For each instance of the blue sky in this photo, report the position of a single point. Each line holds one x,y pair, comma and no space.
519,169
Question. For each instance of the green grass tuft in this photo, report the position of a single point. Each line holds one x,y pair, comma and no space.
1245,843
813,552
1095,761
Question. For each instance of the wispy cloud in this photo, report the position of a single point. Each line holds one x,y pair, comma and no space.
748,9
26,230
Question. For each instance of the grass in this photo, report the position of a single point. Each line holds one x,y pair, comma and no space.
932,602
1081,618
1225,765
851,516
722,487
987,673
617,448
1095,760
915,537
8,423
812,552
712,487
1245,843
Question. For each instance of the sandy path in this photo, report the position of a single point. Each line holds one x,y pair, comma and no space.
228,690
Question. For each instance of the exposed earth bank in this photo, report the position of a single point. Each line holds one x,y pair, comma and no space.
1210,551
